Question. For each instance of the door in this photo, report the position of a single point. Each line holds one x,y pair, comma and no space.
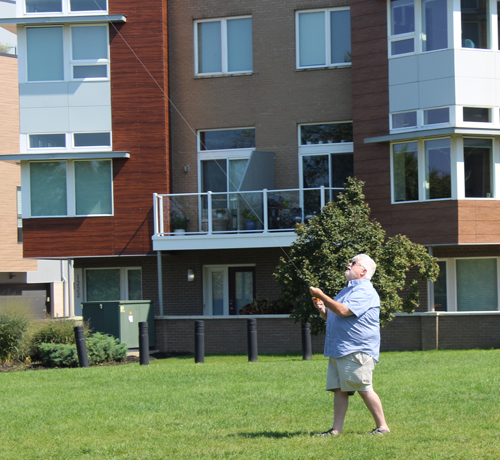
241,288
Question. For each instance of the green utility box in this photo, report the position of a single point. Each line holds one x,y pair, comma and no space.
121,319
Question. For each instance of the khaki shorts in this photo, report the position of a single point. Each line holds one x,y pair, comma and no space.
350,373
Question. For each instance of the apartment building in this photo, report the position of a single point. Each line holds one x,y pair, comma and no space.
170,148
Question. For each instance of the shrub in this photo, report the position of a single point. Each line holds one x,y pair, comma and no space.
101,348
58,355
55,332
13,330
267,307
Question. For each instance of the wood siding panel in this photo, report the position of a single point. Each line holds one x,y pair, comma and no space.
139,85
11,252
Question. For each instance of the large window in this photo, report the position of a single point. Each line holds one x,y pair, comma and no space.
456,288
223,158
65,142
425,162
223,46
478,168
323,38
70,188
326,160
65,6
475,23
431,24
87,47
104,284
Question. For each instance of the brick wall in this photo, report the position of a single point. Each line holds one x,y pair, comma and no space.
274,99
279,335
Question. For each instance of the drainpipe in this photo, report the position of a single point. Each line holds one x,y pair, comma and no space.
65,289
71,290
160,282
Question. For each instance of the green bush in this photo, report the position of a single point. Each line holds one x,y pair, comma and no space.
55,332
13,331
58,355
101,348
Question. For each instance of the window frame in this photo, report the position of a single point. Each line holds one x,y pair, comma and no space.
328,49
70,189
420,115
124,287
224,48
24,141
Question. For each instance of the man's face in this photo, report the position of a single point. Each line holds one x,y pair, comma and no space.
355,271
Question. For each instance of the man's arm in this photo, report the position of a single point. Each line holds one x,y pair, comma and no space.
337,307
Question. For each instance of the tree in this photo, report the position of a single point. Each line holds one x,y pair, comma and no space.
328,242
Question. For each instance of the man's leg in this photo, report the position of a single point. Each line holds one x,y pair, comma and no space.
374,405
340,406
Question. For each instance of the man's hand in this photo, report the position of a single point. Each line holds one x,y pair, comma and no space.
326,302
317,302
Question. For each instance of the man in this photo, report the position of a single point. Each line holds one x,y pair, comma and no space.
352,342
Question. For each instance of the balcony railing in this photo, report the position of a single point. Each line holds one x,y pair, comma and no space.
245,213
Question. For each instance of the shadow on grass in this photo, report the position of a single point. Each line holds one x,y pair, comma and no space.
270,434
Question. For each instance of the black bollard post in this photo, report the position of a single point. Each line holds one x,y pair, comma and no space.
143,343
306,341
252,340
81,347
199,342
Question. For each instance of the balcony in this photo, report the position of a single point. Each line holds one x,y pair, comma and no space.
230,220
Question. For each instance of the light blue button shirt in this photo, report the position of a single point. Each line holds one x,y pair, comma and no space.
359,332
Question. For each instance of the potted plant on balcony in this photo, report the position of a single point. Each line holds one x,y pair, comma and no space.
178,223
220,213
250,218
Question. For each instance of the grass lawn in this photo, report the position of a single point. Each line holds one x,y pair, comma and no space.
439,405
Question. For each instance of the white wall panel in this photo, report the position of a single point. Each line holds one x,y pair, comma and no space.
44,120
475,92
403,97
43,94
403,70
436,65
90,119
437,93
89,93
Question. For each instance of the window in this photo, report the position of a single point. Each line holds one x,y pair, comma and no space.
223,158
478,168
326,160
89,52
408,159
105,284
475,27
477,114
402,26
65,6
438,168
417,119
86,45
405,171
70,188
223,46
66,142
404,120
405,26
456,288
227,289
47,141
436,116
323,38
45,53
